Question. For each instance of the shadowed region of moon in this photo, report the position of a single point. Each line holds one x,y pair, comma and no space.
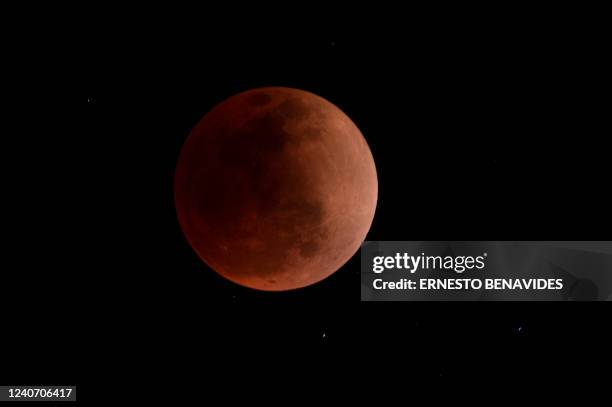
275,188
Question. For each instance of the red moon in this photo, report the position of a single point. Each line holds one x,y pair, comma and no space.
275,188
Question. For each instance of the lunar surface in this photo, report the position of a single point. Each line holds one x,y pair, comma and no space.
275,189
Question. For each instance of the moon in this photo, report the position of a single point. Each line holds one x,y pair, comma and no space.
275,188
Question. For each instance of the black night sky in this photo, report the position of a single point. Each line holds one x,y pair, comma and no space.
488,132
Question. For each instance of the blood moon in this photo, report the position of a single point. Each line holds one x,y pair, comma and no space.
275,188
